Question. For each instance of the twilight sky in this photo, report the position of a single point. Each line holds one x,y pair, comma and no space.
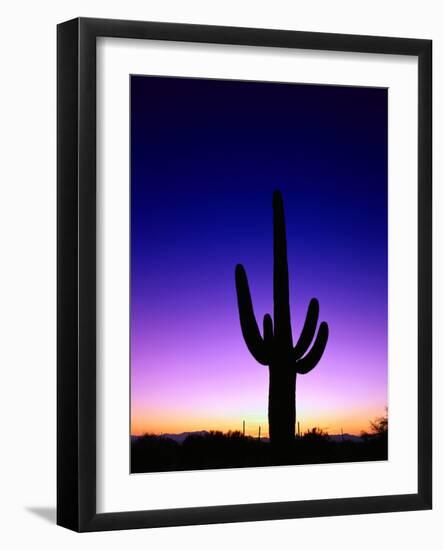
206,156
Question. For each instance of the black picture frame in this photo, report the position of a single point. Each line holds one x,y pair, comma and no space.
76,274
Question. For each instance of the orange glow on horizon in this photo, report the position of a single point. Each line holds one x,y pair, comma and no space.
350,422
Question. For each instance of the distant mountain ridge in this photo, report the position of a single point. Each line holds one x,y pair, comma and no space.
345,437
179,438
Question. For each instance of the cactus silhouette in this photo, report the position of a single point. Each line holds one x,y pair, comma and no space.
275,348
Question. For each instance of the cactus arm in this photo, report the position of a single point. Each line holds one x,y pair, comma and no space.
282,315
268,335
308,332
248,323
310,360
268,331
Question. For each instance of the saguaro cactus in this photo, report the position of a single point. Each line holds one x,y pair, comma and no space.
275,348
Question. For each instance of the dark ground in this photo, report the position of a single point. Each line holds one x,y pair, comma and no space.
152,453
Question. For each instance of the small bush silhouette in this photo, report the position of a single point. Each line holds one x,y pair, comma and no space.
316,434
378,430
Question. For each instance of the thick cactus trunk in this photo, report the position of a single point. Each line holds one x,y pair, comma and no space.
282,312
281,405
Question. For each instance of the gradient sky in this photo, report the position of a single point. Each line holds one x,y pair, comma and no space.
206,156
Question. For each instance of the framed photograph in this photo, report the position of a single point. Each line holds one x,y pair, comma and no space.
244,274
